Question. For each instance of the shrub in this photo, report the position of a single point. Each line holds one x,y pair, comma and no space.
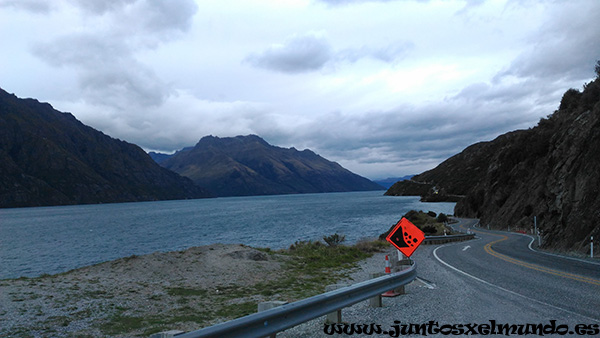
370,246
570,99
431,214
442,218
429,229
334,240
305,245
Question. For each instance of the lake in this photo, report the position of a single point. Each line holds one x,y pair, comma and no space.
34,241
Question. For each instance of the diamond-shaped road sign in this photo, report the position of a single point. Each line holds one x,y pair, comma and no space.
406,237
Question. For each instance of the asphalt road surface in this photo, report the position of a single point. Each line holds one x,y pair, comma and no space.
507,261
495,277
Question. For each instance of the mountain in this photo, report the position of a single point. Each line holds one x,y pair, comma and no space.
388,182
50,158
248,165
160,157
550,171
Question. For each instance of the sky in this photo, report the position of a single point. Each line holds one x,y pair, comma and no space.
385,88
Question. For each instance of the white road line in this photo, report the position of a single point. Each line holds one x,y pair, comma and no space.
509,291
555,255
466,248
425,283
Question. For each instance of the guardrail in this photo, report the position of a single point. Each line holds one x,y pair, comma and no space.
447,239
289,315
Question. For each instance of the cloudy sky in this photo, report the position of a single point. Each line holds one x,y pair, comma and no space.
385,88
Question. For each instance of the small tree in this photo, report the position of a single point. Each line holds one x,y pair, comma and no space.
598,68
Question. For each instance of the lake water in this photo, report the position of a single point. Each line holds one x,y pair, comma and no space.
41,240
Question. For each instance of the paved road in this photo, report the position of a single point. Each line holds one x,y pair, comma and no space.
506,261
495,277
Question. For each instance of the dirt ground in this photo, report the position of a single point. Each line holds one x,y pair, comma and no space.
138,294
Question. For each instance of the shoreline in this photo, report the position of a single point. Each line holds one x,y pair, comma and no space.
87,301
136,296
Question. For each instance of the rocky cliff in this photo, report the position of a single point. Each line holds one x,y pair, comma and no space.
248,165
551,171
50,158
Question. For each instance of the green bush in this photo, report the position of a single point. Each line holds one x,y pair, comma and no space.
334,240
429,229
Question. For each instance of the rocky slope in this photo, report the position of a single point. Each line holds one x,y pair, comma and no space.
248,165
50,158
550,171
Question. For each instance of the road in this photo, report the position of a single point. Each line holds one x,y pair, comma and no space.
495,277
506,261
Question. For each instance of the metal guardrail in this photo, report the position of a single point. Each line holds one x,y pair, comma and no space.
447,239
289,315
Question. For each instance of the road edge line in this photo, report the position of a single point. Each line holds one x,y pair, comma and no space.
556,255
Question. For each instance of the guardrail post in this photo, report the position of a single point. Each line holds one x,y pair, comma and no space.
264,306
336,316
375,301
402,262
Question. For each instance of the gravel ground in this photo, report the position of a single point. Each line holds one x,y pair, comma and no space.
362,313
79,302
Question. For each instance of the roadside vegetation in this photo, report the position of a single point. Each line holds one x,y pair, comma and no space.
307,268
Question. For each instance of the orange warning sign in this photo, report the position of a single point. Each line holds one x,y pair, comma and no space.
406,237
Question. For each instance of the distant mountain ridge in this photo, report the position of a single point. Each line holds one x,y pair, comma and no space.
550,171
388,182
50,158
161,157
248,165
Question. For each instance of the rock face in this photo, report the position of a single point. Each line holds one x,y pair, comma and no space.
50,158
409,188
248,165
551,171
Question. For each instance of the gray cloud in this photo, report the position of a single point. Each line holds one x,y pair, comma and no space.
34,6
108,72
99,7
388,54
298,54
311,52
411,139
167,14
139,16
565,47
348,2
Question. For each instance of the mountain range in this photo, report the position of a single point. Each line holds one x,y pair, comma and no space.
248,165
550,171
50,158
